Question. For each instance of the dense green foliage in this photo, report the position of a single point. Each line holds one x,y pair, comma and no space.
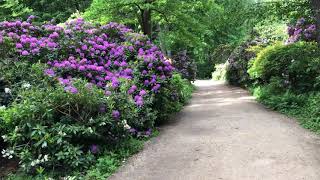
197,26
297,65
280,60
304,107
45,10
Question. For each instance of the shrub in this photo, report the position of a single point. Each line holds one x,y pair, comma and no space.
265,33
303,106
275,97
172,97
237,65
78,89
271,31
310,113
295,64
185,65
303,30
204,70
220,72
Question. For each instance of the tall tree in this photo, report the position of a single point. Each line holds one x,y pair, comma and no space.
131,12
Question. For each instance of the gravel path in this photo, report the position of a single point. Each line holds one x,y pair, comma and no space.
223,134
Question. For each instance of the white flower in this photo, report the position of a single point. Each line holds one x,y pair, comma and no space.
69,178
26,85
7,153
102,124
62,133
45,157
90,130
33,163
7,90
2,108
4,137
126,125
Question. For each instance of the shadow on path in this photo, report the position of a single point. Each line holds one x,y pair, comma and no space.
223,134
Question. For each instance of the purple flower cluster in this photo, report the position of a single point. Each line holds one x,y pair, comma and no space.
105,56
302,30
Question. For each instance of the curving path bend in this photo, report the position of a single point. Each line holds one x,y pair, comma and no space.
223,134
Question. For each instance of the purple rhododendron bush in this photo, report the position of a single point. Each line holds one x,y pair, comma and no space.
69,92
303,30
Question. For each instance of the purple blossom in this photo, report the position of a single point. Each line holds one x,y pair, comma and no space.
54,35
156,87
49,72
94,149
84,47
64,81
102,109
25,53
107,93
142,93
139,103
148,132
82,68
115,83
51,45
71,89
115,114
19,46
30,18
302,31
133,131
89,86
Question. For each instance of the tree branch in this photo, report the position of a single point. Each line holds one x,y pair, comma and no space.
162,13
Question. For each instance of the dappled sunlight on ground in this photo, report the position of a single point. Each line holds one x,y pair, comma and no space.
209,93
225,134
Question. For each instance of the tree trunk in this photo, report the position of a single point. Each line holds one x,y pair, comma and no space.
146,18
316,7
146,22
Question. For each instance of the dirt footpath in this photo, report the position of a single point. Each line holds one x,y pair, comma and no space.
223,134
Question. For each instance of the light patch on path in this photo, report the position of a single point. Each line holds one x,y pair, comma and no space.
223,134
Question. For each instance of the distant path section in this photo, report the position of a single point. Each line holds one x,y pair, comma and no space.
223,134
